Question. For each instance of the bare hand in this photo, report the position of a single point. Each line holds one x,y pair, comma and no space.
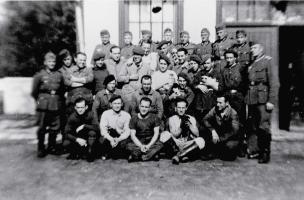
144,148
114,142
269,106
203,88
215,137
81,142
79,128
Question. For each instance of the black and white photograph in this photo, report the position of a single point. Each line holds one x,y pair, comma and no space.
151,99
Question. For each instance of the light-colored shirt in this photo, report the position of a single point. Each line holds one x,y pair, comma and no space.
159,79
118,121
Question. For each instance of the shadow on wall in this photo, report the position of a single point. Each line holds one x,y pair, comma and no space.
15,96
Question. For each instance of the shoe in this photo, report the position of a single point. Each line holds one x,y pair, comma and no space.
52,151
41,154
206,157
132,159
73,157
156,158
264,158
252,155
175,160
90,158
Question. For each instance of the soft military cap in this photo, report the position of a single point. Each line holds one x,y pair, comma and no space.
138,51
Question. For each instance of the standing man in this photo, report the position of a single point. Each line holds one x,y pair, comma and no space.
114,127
100,72
48,91
204,48
149,58
126,50
222,43
115,64
78,80
144,134
182,135
102,98
223,125
81,132
105,45
185,43
146,91
168,37
260,98
147,37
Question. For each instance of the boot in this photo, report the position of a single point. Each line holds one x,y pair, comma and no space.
171,148
264,157
52,143
183,153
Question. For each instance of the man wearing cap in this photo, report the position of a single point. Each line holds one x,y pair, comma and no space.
205,47
105,45
260,98
114,127
162,47
195,64
114,64
78,80
147,37
185,43
222,43
131,73
48,91
147,91
183,64
100,72
168,36
101,101
126,49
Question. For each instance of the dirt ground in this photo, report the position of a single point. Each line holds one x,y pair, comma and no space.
23,176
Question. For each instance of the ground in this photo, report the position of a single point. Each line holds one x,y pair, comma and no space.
23,176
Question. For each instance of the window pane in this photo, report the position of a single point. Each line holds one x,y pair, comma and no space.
145,26
168,25
157,31
133,12
229,11
261,11
134,28
145,11
168,11
157,17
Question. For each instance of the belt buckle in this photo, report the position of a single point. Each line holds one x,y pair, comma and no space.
252,83
53,92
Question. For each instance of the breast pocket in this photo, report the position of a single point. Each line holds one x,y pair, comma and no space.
261,75
262,93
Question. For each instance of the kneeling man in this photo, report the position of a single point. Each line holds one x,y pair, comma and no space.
182,135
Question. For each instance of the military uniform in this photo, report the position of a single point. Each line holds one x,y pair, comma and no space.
105,48
262,88
127,51
204,49
220,46
48,91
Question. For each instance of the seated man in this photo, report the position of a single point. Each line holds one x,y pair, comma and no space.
182,135
223,124
144,134
114,127
81,132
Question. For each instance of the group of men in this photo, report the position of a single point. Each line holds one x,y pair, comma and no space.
143,102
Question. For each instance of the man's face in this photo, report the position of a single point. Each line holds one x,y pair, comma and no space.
144,108
181,57
146,37
67,61
81,107
146,85
100,62
208,64
182,82
163,66
194,65
115,54
164,49
137,59
50,63
127,39
111,86
181,108
81,61
230,59
241,39
146,47
168,36
105,39
184,38
221,104
221,34
256,50
116,105
205,36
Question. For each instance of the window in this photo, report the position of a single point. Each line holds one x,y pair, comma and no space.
137,15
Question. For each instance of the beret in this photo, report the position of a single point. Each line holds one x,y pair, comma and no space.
164,57
98,54
184,33
161,44
114,97
109,79
138,51
104,32
196,58
205,30
184,76
146,32
205,57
